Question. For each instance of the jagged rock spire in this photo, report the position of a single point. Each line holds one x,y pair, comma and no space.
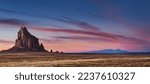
26,42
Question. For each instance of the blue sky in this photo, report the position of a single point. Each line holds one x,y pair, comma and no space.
85,24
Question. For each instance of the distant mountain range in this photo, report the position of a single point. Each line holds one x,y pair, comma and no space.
111,51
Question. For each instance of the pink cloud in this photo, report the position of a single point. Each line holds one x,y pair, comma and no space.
124,42
78,23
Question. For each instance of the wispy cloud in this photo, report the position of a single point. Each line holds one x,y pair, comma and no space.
13,22
5,41
95,34
82,38
79,23
23,13
50,40
77,32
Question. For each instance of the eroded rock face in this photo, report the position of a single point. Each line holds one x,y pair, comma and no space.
26,42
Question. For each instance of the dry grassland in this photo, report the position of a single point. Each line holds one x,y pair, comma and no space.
39,59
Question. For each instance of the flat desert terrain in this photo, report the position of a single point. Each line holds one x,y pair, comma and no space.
40,59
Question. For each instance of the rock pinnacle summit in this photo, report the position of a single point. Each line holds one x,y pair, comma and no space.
26,42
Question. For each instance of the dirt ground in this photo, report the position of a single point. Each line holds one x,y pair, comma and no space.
39,59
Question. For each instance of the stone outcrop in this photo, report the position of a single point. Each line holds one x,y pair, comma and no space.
26,42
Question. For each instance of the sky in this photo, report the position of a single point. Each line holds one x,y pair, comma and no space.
78,25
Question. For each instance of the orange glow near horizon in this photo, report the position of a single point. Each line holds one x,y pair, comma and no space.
5,46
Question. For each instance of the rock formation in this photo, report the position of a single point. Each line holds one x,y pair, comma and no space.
26,42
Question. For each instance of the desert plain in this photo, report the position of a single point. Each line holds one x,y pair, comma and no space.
46,59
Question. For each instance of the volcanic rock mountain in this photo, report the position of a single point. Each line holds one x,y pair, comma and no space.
26,42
